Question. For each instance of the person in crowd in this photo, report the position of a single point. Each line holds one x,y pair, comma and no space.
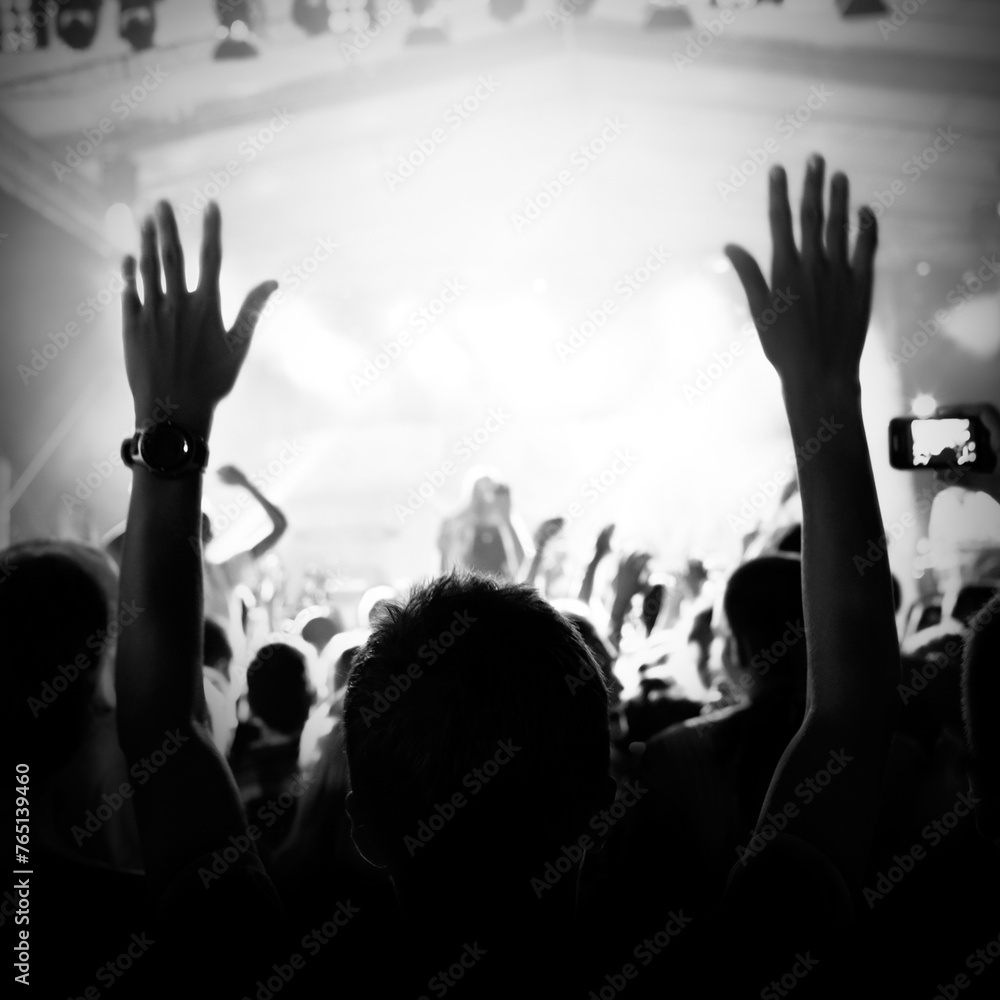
264,756
220,698
708,776
222,578
485,536
58,606
494,754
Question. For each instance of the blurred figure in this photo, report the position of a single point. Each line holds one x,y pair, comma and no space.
265,753
58,608
485,536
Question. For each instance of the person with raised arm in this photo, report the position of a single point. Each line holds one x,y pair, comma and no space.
601,549
544,534
802,870
202,867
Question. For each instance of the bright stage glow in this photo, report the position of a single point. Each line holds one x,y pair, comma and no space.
923,405
975,326
120,226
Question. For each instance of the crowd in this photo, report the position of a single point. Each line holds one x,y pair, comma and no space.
766,781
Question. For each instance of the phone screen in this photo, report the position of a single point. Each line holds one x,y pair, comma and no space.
934,442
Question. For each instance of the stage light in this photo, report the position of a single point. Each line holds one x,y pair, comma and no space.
234,31
430,26
30,28
861,8
76,22
506,10
312,16
668,15
137,23
349,15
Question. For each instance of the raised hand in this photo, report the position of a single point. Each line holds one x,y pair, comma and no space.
547,530
175,341
232,476
603,546
813,317
631,569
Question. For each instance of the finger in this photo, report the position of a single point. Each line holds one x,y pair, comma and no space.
149,267
171,250
748,271
863,260
246,321
782,237
211,250
837,224
131,304
811,211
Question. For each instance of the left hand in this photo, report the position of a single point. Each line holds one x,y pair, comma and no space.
175,341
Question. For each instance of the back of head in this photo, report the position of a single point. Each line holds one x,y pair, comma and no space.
483,691
55,603
319,630
763,605
278,687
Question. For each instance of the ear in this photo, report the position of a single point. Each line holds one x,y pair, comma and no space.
365,839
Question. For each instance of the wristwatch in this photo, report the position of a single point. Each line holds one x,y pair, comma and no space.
166,449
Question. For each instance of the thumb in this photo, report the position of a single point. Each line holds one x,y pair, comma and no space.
253,305
748,271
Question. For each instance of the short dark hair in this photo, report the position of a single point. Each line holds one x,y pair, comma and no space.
278,687
514,672
763,597
57,598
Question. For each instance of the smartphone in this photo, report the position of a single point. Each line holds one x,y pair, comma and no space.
938,443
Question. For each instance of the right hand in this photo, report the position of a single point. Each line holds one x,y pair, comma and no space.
175,342
820,300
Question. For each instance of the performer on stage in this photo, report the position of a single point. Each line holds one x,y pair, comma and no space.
485,536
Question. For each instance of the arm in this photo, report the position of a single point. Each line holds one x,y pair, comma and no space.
547,530
279,523
176,349
853,654
602,548
627,585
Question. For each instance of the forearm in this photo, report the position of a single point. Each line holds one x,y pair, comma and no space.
279,523
587,587
158,673
853,656
850,622
536,565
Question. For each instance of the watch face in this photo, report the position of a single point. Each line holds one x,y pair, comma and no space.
164,447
